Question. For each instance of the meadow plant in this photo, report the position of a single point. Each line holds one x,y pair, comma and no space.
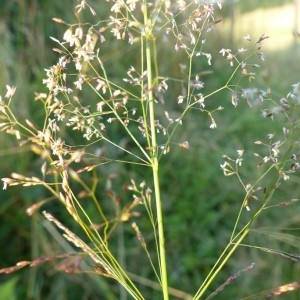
93,120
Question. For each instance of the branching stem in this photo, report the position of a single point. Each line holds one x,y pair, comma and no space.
155,163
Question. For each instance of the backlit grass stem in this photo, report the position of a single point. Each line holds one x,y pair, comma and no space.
155,163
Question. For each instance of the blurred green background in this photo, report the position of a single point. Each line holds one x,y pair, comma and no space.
200,203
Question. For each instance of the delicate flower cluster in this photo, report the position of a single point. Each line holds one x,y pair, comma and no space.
189,33
81,50
67,104
280,153
274,150
228,168
8,122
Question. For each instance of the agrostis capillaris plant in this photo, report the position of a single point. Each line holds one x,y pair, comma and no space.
94,119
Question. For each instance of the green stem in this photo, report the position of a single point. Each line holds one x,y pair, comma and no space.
203,289
155,164
161,239
155,169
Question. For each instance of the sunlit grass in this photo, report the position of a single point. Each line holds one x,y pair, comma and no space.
193,186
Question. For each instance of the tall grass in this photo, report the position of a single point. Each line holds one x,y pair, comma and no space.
98,124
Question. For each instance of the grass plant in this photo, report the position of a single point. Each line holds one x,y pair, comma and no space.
98,124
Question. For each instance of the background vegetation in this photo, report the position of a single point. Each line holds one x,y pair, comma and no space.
195,235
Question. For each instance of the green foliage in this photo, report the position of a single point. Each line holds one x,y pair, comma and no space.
7,289
95,174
